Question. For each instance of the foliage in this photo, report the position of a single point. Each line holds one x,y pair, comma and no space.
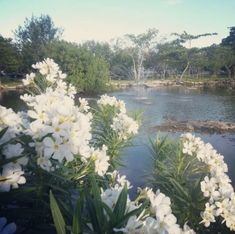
180,177
181,174
33,36
230,40
87,72
48,147
9,59
61,157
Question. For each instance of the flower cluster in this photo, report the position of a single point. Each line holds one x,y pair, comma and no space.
217,185
157,219
106,100
60,130
47,68
124,126
12,172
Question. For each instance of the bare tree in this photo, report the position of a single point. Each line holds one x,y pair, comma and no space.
138,49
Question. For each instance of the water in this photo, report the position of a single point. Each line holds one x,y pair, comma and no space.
182,104
176,102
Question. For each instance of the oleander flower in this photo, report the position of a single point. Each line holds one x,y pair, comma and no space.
124,126
101,160
29,79
106,100
10,120
84,107
216,186
11,177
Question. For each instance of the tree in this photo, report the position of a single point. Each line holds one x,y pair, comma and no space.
121,64
230,40
9,59
88,72
187,38
140,46
99,49
229,45
33,37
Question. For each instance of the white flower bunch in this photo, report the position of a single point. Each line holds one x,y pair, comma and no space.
84,107
49,69
9,119
124,126
58,127
217,185
11,177
106,100
101,160
11,174
159,220
60,130
119,181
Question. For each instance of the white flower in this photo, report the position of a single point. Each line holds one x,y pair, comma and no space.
9,119
124,126
217,185
29,79
208,216
110,197
120,181
15,150
187,230
45,163
160,204
47,67
57,149
101,160
106,100
61,75
222,206
11,177
150,226
83,105
133,226
209,188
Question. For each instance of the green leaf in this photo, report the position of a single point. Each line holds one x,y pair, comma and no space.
77,217
120,207
93,215
57,216
3,131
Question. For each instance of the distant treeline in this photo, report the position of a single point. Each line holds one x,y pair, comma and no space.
90,65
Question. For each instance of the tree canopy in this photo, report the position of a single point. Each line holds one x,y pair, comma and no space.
33,36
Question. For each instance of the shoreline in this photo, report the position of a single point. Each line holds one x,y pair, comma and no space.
124,84
226,83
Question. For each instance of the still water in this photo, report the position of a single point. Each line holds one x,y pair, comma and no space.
175,102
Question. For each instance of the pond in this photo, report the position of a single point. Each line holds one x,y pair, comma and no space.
157,103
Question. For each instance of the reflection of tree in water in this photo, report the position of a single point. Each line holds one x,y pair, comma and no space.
11,99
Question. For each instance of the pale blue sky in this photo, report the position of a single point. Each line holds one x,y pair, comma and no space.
106,19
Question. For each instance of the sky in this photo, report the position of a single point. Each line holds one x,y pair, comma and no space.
103,20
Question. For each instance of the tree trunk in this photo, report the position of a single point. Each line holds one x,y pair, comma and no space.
228,71
182,75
